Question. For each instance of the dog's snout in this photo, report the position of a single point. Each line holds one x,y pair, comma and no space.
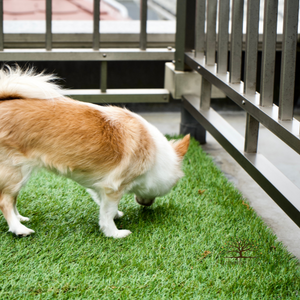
144,202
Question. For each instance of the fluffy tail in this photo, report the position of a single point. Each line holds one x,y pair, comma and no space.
16,83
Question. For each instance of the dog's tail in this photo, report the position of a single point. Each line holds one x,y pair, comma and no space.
16,83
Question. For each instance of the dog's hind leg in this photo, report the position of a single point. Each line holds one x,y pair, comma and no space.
11,181
108,211
7,205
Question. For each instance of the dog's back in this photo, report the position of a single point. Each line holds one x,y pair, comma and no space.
108,150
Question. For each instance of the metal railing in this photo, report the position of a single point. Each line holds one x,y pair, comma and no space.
95,53
207,54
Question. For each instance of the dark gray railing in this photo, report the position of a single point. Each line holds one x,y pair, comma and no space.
199,53
95,53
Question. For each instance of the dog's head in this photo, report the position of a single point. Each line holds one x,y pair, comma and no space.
166,172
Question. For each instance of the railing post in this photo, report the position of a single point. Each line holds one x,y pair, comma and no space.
96,32
288,60
236,40
185,31
103,76
252,125
211,32
251,46
48,25
185,41
1,27
223,35
189,125
200,26
143,20
205,96
268,53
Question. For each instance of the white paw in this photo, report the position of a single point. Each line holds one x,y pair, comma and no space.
117,234
21,230
119,214
121,234
23,219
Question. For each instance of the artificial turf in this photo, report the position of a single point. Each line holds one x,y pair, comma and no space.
185,246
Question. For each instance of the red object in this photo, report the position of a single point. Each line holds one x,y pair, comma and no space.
61,10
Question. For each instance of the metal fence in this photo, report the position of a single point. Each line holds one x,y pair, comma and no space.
203,44
95,53
200,48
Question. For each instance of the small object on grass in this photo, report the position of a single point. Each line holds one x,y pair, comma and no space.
247,205
201,191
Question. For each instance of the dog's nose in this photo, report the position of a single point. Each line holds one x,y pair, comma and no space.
144,202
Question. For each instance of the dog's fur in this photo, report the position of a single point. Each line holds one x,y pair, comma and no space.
108,150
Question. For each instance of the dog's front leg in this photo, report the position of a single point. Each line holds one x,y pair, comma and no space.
108,211
97,199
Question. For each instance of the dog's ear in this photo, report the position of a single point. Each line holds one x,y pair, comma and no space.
181,146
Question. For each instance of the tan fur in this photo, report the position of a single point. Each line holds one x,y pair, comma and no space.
181,146
108,150
68,136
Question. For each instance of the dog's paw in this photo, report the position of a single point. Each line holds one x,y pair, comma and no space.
119,214
21,230
23,219
121,233
118,234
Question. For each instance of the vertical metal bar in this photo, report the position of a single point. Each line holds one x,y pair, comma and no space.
211,32
96,34
1,27
180,35
48,25
223,36
251,46
103,76
288,60
143,20
251,134
236,40
189,124
268,53
200,27
205,94
190,25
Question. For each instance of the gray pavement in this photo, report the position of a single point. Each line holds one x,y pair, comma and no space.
285,159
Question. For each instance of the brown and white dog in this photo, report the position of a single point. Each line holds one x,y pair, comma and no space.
108,150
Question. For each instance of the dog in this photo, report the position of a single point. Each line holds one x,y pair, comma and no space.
108,150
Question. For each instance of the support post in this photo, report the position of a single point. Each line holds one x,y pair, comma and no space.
189,125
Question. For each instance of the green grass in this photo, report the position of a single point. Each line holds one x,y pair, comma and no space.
178,249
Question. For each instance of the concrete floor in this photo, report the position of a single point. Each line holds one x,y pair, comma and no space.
285,159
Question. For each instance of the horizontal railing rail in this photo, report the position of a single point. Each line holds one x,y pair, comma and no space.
94,53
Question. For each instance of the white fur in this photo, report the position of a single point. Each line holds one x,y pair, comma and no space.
28,84
162,172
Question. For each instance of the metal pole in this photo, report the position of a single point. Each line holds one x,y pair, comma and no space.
211,32
251,46
48,25
96,37
205,94
1,27
143,20
103,76
251,134
180,35
236,40
268,53
200,25
223,36
288,60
